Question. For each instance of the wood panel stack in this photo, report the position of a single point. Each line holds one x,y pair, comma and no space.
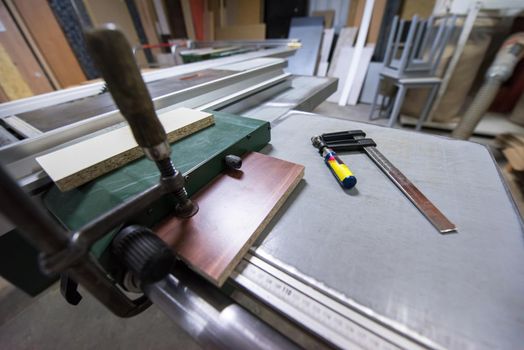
102,12
49,42
345,48
20,71
512,146
238,19
148,19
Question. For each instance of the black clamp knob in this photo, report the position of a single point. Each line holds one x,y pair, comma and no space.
143,253
233,162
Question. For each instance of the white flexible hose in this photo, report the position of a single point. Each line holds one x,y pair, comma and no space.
476,111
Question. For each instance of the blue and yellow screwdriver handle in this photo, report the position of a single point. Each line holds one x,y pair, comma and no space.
337,167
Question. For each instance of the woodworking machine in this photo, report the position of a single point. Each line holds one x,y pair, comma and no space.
336,268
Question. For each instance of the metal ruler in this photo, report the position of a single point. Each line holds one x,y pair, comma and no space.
336,323
428,209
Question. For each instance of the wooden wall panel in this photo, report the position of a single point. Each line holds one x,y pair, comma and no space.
21,56
51,41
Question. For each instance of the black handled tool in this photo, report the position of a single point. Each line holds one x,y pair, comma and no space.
114,58
354,140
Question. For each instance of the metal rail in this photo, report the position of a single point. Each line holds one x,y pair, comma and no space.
77,92
210,317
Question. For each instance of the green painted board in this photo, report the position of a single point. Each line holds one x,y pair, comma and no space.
199,157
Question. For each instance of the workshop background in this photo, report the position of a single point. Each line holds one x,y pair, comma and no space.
42,50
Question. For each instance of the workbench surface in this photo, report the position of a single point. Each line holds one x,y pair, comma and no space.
373,246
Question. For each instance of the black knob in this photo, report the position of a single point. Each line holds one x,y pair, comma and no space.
233,162
142,252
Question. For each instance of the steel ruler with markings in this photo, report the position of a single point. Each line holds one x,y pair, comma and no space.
342,324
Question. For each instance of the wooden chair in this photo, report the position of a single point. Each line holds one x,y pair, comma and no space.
412,63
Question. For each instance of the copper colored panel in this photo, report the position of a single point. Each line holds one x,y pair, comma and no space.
234,209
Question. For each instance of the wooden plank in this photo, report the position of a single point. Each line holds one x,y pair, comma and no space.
148,18
20,54
188,19
175,17
246,32
243,12
234,209
84,161
376,21
217,8
3,95
360,76
12,83
209,26
163,24
328,15
327,41
356,9
515,157
24,30
103,11
421,8
51,41
357,56
341,60
197,13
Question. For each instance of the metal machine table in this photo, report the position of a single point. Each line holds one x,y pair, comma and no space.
370,250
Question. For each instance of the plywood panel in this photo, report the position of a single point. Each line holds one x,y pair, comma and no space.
50,40
197,13
356,9
328,15
188,19
82,162
234,209
11,81
376,21
421,8
209,26
103,11
20,55
327,41
362,69
217,7
244,12
3,96
341,60
148,19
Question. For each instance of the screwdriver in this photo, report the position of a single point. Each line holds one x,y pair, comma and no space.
340,171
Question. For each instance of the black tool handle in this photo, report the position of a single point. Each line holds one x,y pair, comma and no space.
113,57
343,135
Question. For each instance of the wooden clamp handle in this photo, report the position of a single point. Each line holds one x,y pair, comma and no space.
113,57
